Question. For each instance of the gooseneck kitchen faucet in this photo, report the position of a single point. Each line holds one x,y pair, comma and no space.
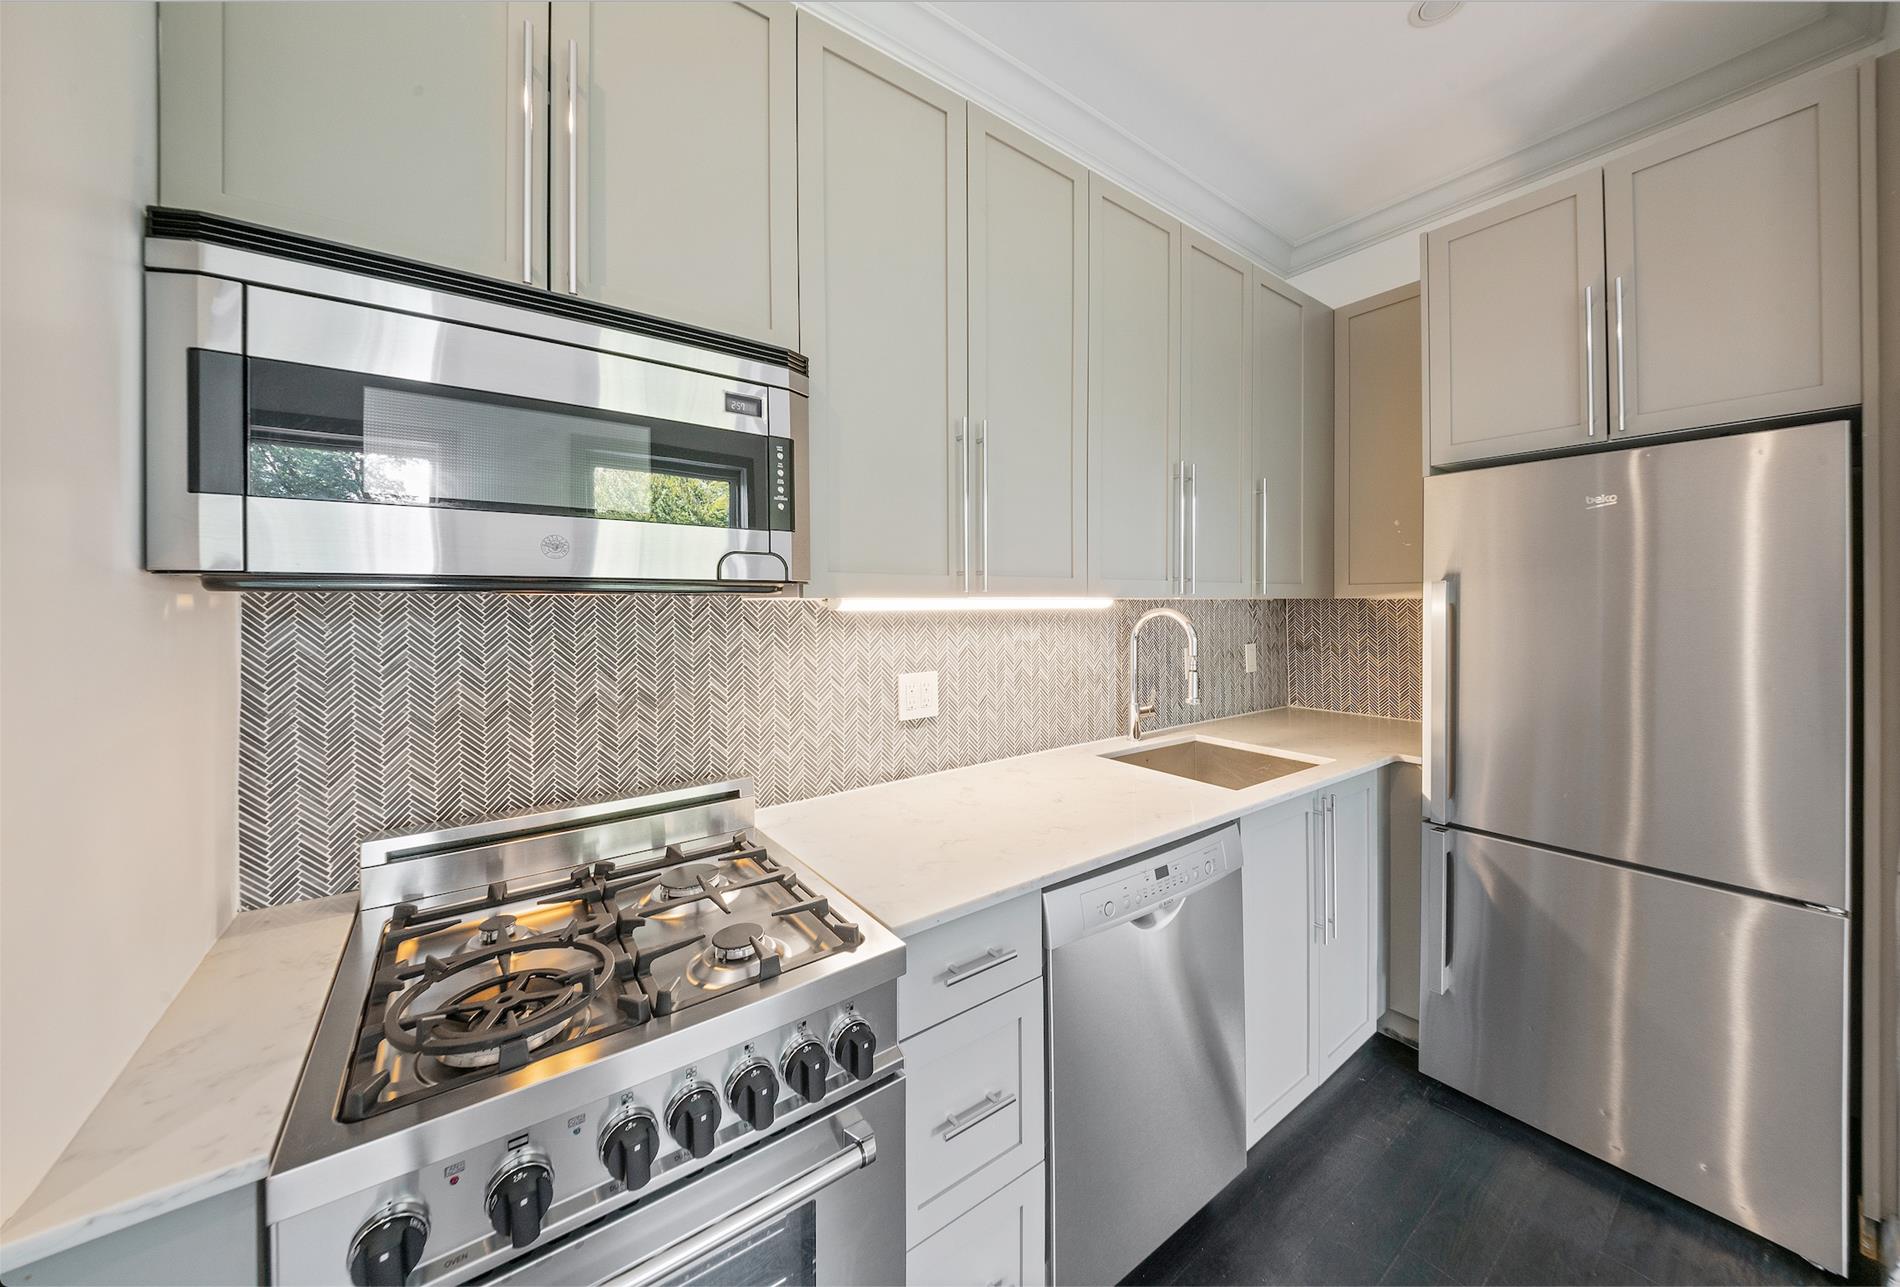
1138,710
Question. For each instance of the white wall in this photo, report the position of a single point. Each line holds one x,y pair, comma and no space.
118,689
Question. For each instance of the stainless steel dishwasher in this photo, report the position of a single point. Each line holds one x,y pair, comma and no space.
1147,1111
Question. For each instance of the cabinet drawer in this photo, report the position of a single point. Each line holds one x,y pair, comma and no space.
967,961
975,1107
1000,1240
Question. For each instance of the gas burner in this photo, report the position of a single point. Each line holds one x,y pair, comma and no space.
495,929
495,1005
689,881
735,944
469,1031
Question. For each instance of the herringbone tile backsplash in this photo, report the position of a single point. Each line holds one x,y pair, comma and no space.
369,713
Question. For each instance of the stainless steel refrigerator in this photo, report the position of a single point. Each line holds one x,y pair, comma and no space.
1639,789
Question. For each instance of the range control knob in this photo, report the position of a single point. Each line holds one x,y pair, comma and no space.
628,1146
807,1069
519,1196
855,1047
693,1119
389,1247
753,1093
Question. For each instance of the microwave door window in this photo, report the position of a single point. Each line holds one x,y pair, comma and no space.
318,434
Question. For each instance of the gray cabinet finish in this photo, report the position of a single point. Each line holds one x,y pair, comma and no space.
1518,349
395,127
1134,377
215,1241
1216,377
1736,245
1291,452
882,305
1348,984
1028,303
684,195
1378,497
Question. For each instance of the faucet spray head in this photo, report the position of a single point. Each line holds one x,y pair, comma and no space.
1191,660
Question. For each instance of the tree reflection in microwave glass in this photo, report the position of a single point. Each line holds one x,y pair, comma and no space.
649,497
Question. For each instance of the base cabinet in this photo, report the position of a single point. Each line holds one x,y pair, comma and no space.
1311,943
1277,950
1000,1241
1347,971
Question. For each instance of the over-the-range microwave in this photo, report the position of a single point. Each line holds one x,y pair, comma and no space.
318,416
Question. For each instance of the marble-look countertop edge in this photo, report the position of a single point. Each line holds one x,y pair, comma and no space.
255,953
1217,806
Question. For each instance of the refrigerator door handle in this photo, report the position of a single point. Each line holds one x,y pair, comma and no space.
1441,606
1435,940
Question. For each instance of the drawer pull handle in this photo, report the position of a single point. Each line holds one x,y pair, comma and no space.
992,1104
970,969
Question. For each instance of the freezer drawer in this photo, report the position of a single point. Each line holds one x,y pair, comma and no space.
1690,1035
1647,656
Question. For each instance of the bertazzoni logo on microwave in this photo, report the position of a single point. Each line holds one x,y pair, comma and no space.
744,404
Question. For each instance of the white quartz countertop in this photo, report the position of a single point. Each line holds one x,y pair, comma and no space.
197,1111
921,851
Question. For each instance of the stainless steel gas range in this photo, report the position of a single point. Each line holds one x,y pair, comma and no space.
620,1043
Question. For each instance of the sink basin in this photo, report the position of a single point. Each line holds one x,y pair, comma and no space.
1212,762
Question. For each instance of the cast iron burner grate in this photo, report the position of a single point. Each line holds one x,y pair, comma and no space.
509,996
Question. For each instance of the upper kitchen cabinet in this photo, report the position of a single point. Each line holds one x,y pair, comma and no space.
881,195
416,129
1292,446
1216,379
1379,494
1028,301
675,152
1518,347
1734,263
1136,492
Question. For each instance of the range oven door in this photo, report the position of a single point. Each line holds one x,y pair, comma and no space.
382,444
823,1203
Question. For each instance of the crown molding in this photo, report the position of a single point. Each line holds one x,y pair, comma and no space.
929,39
926,38
1844,29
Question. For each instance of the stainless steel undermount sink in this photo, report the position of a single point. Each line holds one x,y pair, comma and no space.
1212,762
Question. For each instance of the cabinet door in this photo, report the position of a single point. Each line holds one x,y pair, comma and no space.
882,271
1216,374
1134,377
1518,358
1279,852
675,179
1378,485
1292,447
1349,981
395,127
999,1241
974,1115
1028,360
1736,245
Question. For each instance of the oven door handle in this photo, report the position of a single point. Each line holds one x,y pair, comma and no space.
860,1153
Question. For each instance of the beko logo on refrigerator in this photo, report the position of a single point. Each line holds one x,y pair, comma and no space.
1602,500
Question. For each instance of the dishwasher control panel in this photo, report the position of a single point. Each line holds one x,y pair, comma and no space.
1143,885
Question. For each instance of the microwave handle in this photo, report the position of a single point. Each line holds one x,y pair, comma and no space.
860,1153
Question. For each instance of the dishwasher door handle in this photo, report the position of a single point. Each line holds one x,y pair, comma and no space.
1161,915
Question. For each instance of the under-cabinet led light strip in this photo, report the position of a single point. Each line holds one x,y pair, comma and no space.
985,603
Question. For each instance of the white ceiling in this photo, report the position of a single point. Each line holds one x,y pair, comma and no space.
1303,130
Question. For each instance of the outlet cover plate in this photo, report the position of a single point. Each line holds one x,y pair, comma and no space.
1253,660
917,695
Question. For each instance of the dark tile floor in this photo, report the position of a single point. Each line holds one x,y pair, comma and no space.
1385,1176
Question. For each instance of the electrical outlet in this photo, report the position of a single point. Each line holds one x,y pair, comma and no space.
1253,660
917,695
